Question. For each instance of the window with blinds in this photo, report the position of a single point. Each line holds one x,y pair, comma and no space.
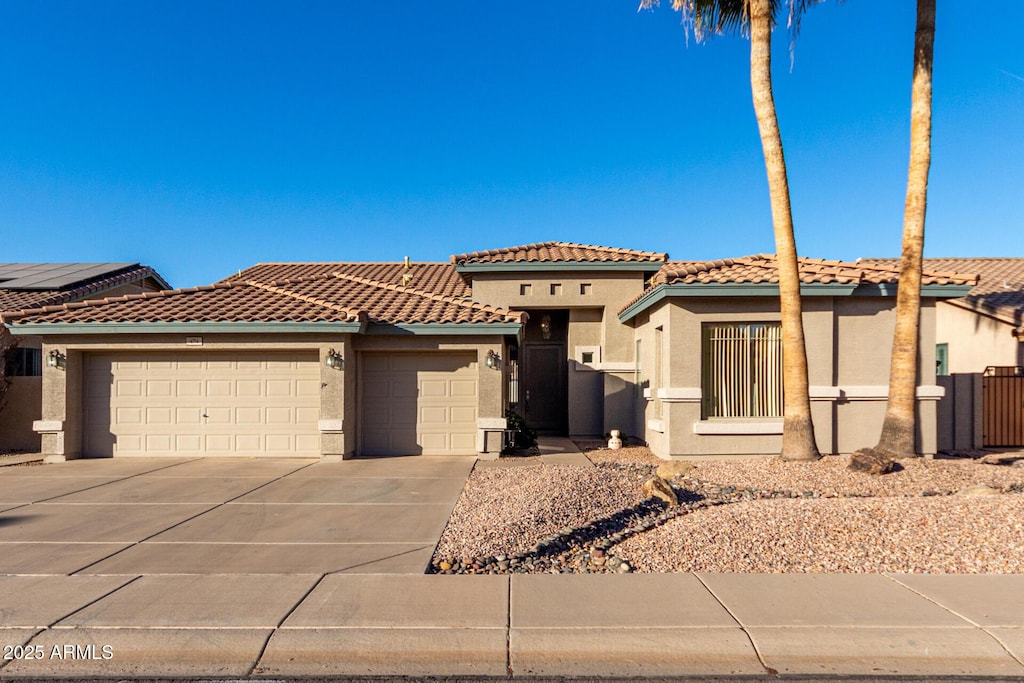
741,370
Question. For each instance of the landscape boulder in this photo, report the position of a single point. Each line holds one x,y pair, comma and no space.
979,490
656,487
870,461
673,469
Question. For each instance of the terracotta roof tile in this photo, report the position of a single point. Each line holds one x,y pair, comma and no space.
762,268
441,278
320,297
14,299
557,252
1000,288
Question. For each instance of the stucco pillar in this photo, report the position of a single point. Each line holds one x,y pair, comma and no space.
60,426
490,420
337,363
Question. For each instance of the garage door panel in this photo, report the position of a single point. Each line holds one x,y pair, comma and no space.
129,415
188,388
130,388
248,443
218,388
414,403
160,443
434,415
434,388
307,387
464,415
212,403
158,416
251,388
462,442
278,416
189,443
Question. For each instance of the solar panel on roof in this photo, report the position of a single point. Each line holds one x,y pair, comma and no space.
45,276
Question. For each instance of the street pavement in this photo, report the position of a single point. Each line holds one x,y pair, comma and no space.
284,568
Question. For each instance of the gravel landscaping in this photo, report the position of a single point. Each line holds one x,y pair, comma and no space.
763,515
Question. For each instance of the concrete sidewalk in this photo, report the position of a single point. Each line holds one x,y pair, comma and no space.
627,626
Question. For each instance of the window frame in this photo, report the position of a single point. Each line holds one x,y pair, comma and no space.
753,352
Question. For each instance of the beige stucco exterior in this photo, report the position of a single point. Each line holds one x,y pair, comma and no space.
21,406
640,374
848,371
63,388
976,341
600,392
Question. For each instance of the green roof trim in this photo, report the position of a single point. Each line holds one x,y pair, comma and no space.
42,329
444,328
549,266
772,289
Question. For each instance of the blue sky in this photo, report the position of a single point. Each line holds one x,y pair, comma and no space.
201,137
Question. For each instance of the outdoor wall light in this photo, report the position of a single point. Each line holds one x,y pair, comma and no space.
334,360
493,360
56,359
545,326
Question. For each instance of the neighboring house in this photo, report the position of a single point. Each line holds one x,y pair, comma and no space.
31,286
979,334
986,327
337,359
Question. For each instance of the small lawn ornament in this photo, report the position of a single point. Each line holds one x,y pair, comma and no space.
615,442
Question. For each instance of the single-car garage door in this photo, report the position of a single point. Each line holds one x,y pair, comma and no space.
418,403
202,403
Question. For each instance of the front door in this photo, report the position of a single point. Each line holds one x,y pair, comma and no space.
543,397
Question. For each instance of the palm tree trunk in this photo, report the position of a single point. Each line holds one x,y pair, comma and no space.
798,430
899,426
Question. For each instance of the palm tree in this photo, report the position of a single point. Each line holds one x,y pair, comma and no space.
757,16
899,425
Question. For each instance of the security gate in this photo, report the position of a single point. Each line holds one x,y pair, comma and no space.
1003,406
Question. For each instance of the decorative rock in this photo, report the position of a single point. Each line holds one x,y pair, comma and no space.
1002,459
656,487
673,469
445,565
979,490
871,461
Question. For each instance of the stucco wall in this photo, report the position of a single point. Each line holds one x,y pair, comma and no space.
19,408
848,343
21,404
975,341
601,396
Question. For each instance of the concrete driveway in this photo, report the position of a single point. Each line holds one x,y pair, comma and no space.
226,516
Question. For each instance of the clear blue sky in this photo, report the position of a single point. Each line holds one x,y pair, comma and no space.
201,137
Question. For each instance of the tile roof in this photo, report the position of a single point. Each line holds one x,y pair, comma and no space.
558,252
1000,288
13,298
322,297
439,278
762,268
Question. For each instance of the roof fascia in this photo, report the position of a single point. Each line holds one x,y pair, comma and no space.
548,266
184,327
729,289
948,291
444,328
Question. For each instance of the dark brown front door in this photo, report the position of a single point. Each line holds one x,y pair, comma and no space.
544,387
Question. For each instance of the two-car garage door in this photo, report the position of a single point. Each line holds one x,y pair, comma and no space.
228,403
202,403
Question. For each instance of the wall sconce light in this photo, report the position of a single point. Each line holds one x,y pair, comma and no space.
493,360
334,360
56,359
545,326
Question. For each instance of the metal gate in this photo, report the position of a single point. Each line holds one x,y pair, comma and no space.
1003,406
